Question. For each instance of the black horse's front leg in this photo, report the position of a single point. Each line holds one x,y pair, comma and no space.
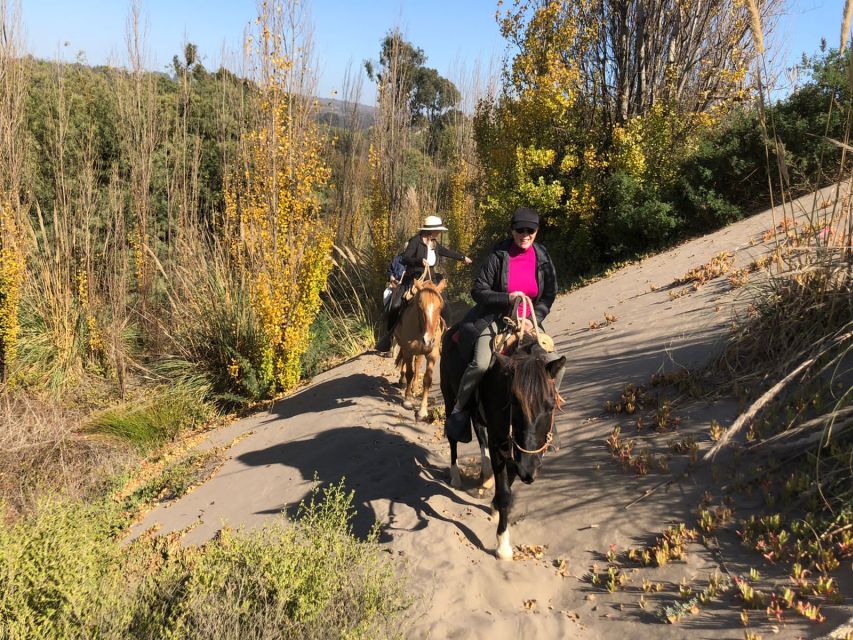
504,475
455,477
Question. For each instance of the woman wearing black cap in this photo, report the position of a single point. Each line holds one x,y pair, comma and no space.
517,267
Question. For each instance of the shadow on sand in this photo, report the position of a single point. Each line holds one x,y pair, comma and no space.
381,466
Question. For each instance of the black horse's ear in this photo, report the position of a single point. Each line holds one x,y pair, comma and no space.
553,367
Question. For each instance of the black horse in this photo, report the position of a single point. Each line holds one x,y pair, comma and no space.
514,417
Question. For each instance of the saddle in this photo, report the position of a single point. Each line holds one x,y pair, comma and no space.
507,339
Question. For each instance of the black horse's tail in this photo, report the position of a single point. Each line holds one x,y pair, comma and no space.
449,365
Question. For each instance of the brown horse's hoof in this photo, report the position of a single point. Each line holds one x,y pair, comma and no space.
408,405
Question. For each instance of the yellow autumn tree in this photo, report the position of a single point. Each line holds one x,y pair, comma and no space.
11,274
603,102
278,237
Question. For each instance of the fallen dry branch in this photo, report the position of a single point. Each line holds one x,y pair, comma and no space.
746,417
775,391
809,433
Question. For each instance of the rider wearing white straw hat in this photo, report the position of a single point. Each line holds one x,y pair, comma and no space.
422,251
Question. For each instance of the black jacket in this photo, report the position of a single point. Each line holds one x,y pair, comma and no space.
416,252
492,297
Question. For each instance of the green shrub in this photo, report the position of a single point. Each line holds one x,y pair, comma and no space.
333,337
64,574
157,418
636,219
215,332
311,580
61,575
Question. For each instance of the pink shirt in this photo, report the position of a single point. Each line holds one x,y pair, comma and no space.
521,275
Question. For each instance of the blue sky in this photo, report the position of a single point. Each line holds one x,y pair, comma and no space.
451,32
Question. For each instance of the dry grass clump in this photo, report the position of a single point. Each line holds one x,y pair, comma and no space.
793,357
42,451
717,266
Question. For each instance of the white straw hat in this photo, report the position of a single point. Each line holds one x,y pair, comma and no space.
433,223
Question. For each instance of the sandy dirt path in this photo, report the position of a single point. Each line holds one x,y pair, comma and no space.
349,423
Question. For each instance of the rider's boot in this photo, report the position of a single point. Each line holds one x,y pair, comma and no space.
383,345
458,425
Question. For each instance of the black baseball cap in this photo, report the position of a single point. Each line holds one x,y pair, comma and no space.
524,218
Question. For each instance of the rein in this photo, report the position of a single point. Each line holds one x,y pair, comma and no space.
426,275
519,306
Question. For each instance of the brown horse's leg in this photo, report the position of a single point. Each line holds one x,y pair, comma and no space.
431,357
409,373
402,381
416,367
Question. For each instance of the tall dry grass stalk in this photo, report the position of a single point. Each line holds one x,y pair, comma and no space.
115,284
352,175
140,133
58,300
349,302
14,77
14,71
847,16
390,218
465,172
182,180
755,25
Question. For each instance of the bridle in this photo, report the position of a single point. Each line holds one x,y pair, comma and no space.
516,323
549,437
426,277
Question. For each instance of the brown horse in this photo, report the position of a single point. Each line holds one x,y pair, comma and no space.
418,334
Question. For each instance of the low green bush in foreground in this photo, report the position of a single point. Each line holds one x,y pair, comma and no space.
63,574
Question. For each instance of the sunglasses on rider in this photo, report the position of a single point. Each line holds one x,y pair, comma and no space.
525,231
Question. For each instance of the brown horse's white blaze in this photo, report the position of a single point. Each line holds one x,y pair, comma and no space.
418,333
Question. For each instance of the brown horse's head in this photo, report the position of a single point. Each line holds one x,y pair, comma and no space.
429,302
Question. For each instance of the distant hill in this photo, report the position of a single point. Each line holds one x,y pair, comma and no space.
331,111
338,113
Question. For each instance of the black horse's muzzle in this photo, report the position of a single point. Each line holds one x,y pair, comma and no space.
527,466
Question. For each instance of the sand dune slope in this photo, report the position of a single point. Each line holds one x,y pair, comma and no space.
349,422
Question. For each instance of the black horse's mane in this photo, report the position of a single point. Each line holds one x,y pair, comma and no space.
531,384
